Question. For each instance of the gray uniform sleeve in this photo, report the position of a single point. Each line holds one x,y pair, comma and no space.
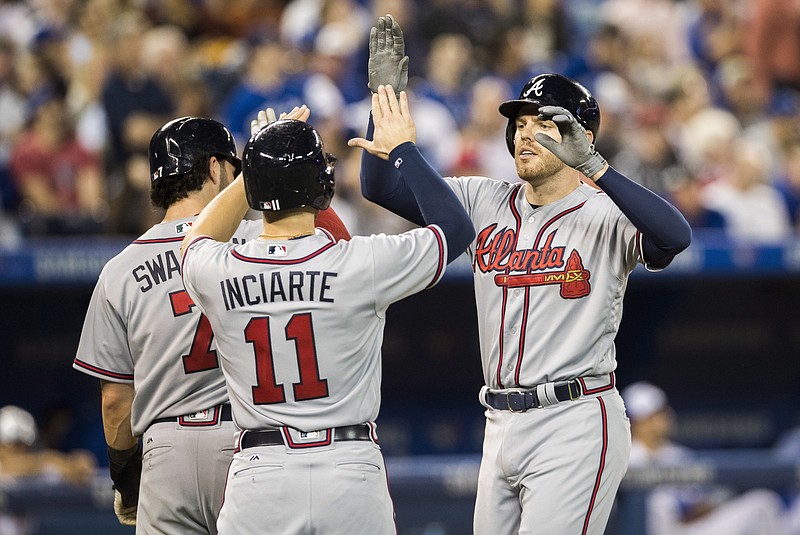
103,348
407,263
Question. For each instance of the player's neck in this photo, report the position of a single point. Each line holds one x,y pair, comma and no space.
187,207
551,190
294,224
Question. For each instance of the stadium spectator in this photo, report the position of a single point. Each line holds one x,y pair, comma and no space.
20,456
788,183
752,206
268,80
12,110
690,509
647,152
135,104
22,459
686,193
448,74
772,40
60,182
483,138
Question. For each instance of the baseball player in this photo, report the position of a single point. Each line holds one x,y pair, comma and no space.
551,261
299,323
155,353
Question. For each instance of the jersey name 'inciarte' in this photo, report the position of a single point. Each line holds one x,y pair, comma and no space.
264,287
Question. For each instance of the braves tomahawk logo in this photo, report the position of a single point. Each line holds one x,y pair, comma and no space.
539,266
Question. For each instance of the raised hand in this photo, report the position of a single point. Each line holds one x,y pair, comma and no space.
575,150
388,64
393,123
267,116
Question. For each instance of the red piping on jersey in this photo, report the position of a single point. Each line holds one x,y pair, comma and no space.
440,267
373,431
253,260
101,371
523,327
600,468
515,213
609,386
157,240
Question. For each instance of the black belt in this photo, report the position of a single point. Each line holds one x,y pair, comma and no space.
522,400
224,416
274,437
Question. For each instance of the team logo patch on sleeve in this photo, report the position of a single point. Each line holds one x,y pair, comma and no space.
183,228
277,249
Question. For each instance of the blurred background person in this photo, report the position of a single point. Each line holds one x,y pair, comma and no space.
690,509
12,105
788,182
483,137
60,182
23,459
271,78
21,456
753,208
686,193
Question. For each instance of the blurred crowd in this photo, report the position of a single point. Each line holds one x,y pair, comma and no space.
700,99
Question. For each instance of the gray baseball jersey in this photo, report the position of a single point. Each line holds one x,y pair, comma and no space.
549,281
142,327
549,285
299,326
299,323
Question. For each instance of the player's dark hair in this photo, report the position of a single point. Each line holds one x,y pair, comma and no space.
166,192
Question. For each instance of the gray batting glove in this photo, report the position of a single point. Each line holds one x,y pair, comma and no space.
574,149
388,64
126,514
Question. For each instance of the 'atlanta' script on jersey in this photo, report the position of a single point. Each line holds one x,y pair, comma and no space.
539,266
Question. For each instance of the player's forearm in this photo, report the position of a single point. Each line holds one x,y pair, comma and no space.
655,218
435,199
382,184
222,216
117,400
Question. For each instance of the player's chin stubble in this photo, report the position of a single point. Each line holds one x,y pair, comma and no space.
545,165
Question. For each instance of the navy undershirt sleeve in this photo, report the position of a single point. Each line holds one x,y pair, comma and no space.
665,230
382,184
437,202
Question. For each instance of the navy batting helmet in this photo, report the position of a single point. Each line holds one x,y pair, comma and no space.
553,90
285,166
176,146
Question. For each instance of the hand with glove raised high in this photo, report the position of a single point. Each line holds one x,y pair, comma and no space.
575,150
388,64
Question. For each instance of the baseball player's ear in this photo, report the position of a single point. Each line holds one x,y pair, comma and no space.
215,168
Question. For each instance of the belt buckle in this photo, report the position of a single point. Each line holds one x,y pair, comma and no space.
508,399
